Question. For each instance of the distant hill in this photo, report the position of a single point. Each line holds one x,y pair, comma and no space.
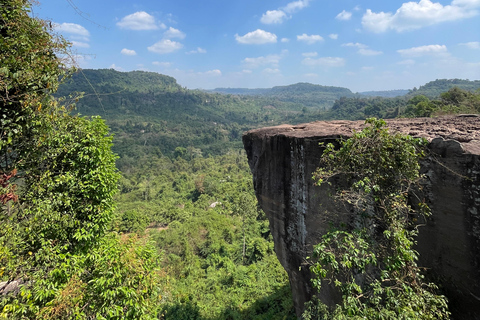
385,94
109,81
150,112
433,89
307,94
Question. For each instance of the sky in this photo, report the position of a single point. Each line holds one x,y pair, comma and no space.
206,44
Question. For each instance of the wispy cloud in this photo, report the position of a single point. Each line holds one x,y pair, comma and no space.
115,67
362,49
416,15
80,44
283,13
162,64
309,39
407,62
174,33
75,31
273,17
471,45
198,50
128,52
344,16
434,49
324,61
139,21
257,37
165,46
273,60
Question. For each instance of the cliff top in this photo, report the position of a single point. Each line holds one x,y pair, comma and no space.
462,128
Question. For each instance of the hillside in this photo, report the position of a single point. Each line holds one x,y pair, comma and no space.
149,112
433,89
307,94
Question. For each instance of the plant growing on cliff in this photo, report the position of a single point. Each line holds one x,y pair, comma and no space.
372,262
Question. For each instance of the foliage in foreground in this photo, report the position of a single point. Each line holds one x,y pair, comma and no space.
57,182
372,263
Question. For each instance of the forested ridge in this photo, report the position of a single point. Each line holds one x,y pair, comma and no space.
151,113
167,227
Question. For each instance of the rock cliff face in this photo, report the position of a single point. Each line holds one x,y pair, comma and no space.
283,158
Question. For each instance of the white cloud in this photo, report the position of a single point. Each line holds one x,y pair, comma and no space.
369,52
280,15
325,62
173,33
272,59
162,64
362,49
113,66
310,75
471,45
356,44
344,16
257,37
80,44
310,54
367,68
198,50
416,15
273,17
333,36
271,71
434,49
296,6
139,21
466,3
128,52
309,39
285,40
247,71
165,46
407,62
75,31
215,72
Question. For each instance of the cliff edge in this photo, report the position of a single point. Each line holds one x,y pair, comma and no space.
283,158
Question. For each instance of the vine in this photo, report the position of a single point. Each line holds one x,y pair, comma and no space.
373,263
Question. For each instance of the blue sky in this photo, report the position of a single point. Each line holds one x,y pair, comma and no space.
361,45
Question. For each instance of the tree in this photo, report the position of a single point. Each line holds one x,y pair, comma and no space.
58,178
373,262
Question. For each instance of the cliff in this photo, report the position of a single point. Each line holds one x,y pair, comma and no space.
283,158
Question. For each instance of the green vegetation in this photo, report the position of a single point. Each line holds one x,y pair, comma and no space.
372,263
306,94
150,114
183,238
453,101
217,248
203,250
58,179
434,89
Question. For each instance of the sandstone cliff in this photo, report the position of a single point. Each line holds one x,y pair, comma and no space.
283,158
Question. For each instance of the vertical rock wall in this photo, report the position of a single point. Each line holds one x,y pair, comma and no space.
283,158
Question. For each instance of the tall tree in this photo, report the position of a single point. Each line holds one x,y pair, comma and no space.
57,181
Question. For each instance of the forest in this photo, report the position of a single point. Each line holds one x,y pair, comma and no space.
167,225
